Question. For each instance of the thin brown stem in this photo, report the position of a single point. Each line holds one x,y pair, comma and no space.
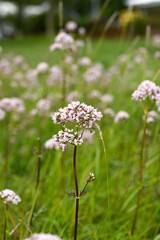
83,189
140,175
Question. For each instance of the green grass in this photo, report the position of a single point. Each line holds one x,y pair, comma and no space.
106,212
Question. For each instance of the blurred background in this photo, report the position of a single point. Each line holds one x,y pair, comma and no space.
115,18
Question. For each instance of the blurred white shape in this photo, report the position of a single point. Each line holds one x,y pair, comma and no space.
35,10
143,3
8,8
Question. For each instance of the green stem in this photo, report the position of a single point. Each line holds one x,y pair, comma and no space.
77,193
5,222
140,175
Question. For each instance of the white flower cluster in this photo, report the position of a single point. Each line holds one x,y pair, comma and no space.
43,105
63,41
71,26
147,89
151,116
8,196
43,236
93,74
84,61
12,104
42,67
121,115
109,112
67,136
82,115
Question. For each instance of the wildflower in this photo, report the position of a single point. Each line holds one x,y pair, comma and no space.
78,113
151,116
84,62
109,111
42,67
121,115
93,74
63,41
95,94
107,98
146,89
43,236
12,104
8,196
44,105
71,26
67,136
82,31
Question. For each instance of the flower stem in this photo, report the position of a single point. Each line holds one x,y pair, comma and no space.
140,175
77,194
5,222
38,163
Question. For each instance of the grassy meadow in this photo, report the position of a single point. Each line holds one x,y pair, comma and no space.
106,211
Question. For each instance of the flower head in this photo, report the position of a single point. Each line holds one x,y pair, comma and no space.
42,67
12,104
80,114
147,89
71,26
8,196
121,115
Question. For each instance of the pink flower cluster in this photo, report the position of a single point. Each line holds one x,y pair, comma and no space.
43,105
151,116
67,136
43,236
8,196
63,41
12,104
71,26
121,115
80,114
42,67
147,89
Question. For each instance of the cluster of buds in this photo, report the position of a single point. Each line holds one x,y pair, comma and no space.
84,191
91,177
